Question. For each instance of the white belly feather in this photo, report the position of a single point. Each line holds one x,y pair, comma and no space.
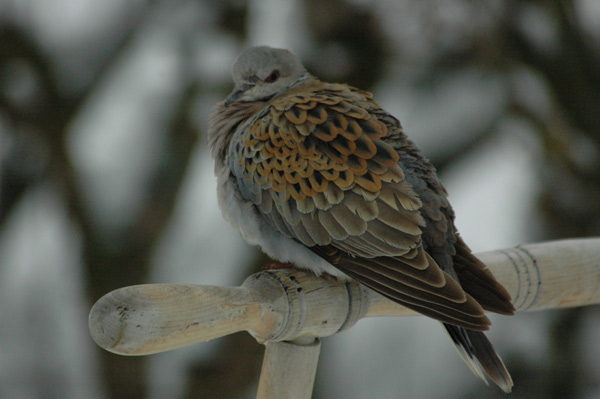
244,218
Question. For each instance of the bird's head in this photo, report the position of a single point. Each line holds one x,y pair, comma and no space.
262,72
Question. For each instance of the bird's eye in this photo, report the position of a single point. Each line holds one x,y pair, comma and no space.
272,77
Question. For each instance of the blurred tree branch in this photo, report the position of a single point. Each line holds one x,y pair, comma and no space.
572,68
350,44
570,191
46,120
51,112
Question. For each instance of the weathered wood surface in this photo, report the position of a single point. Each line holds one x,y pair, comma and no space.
289,304
289,369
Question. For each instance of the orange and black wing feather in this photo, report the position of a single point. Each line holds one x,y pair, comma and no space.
318,166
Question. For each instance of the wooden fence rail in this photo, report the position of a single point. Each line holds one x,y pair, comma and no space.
288,309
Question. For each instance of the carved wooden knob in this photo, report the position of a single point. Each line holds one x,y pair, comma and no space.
291,304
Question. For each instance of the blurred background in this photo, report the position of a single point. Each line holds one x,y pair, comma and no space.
106,180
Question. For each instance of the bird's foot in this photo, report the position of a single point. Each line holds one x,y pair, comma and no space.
290,265
328,277
279,265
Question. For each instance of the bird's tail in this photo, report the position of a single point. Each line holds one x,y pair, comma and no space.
481,357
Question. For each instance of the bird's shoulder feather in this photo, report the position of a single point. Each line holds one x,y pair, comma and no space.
316,164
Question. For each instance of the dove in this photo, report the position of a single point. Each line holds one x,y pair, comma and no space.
321,177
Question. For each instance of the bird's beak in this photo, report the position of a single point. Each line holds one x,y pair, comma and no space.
237,92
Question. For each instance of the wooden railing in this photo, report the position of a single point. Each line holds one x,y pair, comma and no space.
289,309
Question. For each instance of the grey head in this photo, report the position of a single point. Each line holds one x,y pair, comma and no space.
261,72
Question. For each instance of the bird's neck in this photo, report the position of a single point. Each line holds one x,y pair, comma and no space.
223,123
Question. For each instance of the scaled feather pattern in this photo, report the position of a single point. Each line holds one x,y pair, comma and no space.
319,175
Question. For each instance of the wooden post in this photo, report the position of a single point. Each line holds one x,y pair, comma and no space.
296,307
289,369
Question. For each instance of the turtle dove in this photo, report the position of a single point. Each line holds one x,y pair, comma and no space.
319,175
